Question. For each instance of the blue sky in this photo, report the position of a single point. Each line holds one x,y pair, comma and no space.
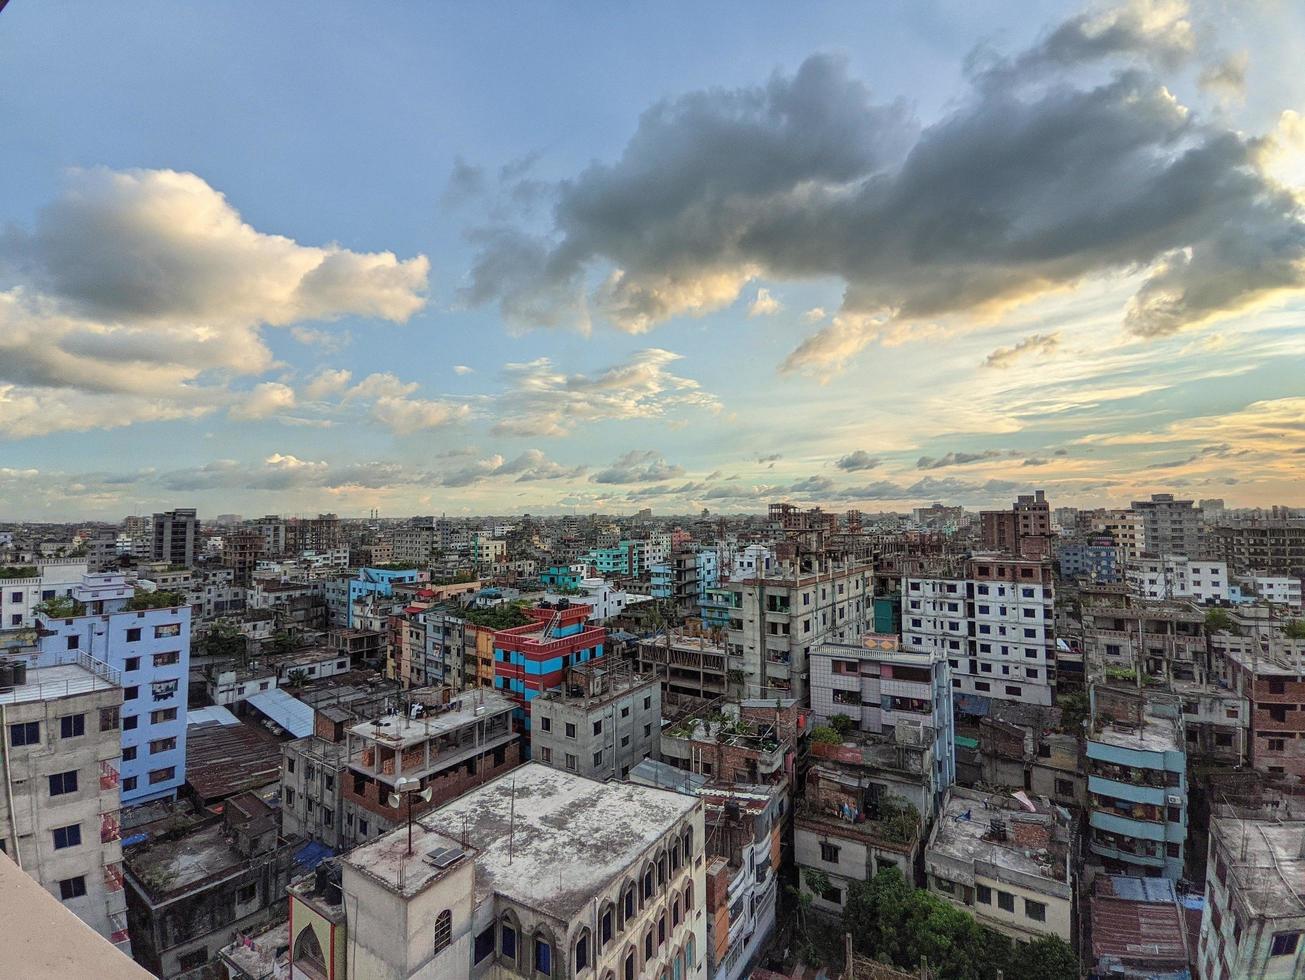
597,257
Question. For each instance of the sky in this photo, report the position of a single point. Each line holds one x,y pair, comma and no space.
551,258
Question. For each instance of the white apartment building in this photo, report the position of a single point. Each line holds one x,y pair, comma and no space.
538,873
1169,526
604,598
993,618
59,812
1279,589
1178,577
1124,526
20,596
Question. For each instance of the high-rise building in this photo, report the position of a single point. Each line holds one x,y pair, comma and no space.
1024,531
1169,526
59,814
176,533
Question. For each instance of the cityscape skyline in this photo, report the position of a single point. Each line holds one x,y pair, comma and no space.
642,292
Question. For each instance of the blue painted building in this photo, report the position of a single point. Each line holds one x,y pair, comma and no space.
1137,783
1090,561
708,571
343,593
151,648
531,659
564,576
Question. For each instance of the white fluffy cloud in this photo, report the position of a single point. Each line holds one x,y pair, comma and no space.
148,284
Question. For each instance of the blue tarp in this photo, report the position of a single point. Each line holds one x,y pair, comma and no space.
971,704
312,854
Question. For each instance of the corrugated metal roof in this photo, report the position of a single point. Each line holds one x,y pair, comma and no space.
290,713
214,713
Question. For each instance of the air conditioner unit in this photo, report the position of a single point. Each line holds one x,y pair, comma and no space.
1174,800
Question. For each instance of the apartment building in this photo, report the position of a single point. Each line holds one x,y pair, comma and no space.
416,543
25,587
342,592
992,617
1178,577
601,721
59,815
687,664
1283,590
1125,527
1137,783
879,686
604,599
443,743
1253,923
1268,672
176,534
150,649
1273,545
1161,638
1024,531
531,659
539,873
1006,863
1169,526
1093,560
778,617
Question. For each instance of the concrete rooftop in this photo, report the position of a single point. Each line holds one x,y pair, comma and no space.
1152,735
968,838
48,683
1268,862
401,730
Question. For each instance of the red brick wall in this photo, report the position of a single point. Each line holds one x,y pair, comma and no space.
446,786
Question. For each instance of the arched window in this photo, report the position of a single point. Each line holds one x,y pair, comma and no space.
648,880
628,906
675,912
581,958
675,856
308,952
507,938
443,930
677,966
543,958
628,967
690,961
661,870
688,845
606,925
661,930
688,897
648,946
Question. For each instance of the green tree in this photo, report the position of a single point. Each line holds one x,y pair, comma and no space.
1295,630
160,599
826,735
1073,711
224,640
842,724
1048,958
1218,621
59,607
298,677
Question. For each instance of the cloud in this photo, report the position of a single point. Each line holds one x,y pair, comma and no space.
956,459
763,304
1035,345
391,404
265,400
1227,78
638,466
530,466
463,369
327,382
858,460
466,180
540,400
1041,176
148,284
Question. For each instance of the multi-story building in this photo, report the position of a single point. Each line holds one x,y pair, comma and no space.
176,534
150,649
1093,560
1161,638
445,743
1169,526
675,581
531,659
688,665
627,558
59,814
1125,528
1253,923
605,600
1008,866
1024,531
320,533
1178,577
416,543
879,686
601,721
992,617
1137,783
342,592
1268,672
25,587
1284,590
1273,545
539,873
241,552
779,617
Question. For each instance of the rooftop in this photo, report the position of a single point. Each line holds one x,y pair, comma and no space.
222,760
403,730
1267,860
570,835
62,681
174,865
262,955
1152,735
1032,843
1137,920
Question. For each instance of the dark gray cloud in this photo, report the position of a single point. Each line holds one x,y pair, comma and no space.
1034,181
638,466
956,459
528,467
1035,344
858,460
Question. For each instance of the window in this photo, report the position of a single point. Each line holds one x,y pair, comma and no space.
628,969
63,782
162,775
109,719
543,956
167,659
545,754
443,930
72,726
647,946
648,884
72,887
167,629
484,943
545,723
1284,943
570,730
132,663
69,836
129,784
629,903
162,715
74,642
582,952
1037,911
983,894
647,703
625,711
605,927
598,727
129,723
572,763
598,758
647,730
828,852
625,741
507,940
25,733
1064,787
289,796
162,745
194,959
1005,901
130,693
246,894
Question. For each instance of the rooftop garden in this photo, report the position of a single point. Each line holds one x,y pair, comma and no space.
161,599
501,617
19,571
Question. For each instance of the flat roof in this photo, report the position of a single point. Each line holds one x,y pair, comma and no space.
402,730
570,835
1265,857
1137,919
963,833
222,760
174,865
1152,735
61,681
45,939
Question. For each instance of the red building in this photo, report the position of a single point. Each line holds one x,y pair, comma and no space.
532,658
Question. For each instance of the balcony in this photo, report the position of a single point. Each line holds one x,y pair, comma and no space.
1127,827
1134,792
